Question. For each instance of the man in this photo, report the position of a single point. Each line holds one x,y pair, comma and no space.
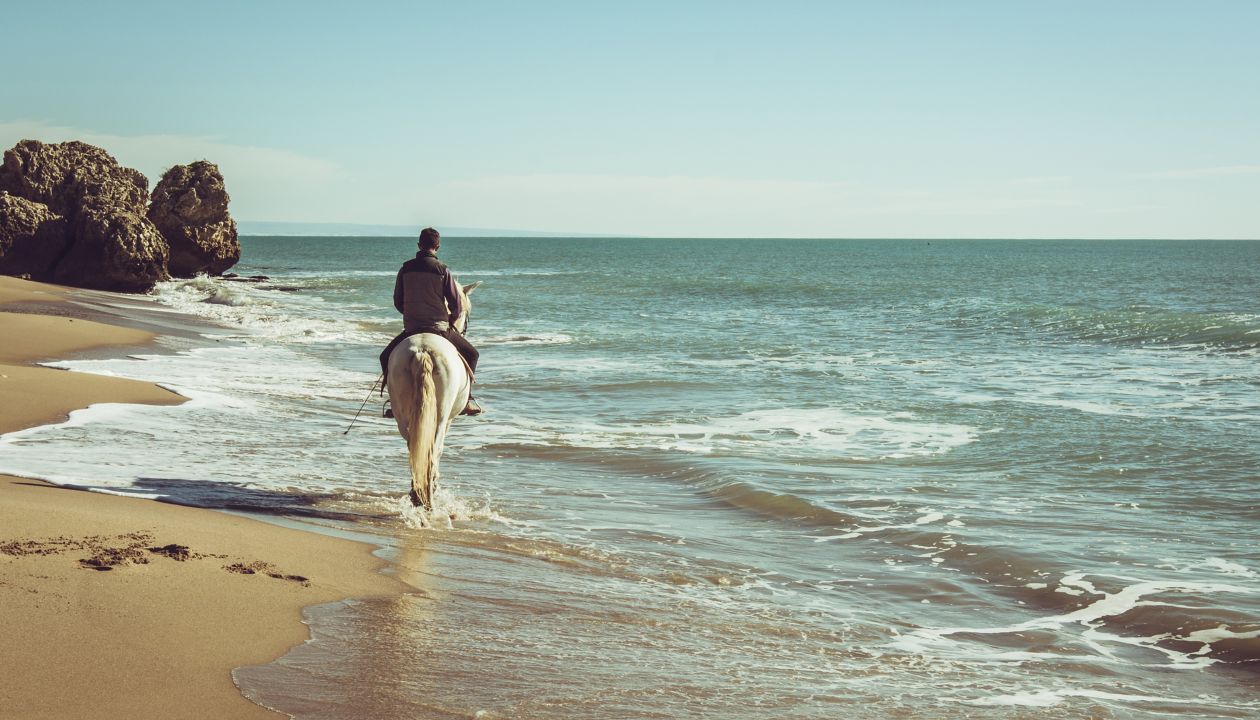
426,295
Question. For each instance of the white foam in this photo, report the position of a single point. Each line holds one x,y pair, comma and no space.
1077,580
843,536
448,508
265,314
227,296
1089,617
1050,698
259,416
1221,632
825,432
1230,568
76,418
831,431
1039,698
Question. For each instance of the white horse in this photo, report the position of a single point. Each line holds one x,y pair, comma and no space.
428,386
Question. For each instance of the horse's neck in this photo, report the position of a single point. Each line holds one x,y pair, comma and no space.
461,322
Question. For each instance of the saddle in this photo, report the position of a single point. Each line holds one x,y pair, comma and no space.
402,338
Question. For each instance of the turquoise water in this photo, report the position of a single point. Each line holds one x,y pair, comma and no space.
747,479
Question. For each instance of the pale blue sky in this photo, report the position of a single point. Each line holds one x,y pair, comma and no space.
833,119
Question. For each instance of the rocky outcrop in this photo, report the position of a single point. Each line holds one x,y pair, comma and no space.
69,213
113,249
190,209
66,175
32,237
75,216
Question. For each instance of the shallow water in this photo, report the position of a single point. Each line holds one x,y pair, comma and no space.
744,479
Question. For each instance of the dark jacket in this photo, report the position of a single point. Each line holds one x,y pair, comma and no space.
425,293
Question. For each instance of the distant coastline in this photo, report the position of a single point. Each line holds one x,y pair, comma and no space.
268,227
265,228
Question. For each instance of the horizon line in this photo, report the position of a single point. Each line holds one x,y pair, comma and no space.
535,235
284,228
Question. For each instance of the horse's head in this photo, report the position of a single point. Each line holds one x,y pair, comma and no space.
461,322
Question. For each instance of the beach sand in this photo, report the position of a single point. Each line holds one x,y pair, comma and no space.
124,608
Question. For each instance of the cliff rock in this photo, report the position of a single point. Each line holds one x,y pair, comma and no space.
190,209
74,215
66,175
32,237
113,249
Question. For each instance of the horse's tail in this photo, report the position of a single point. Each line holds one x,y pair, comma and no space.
422,431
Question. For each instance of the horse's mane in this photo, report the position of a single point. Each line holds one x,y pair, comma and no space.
461,322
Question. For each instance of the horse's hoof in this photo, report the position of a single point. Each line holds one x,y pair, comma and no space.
415,499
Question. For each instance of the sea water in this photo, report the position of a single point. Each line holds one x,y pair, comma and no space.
741,478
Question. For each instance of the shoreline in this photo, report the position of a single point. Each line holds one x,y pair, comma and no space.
119,607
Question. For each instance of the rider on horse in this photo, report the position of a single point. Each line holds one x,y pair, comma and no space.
426,295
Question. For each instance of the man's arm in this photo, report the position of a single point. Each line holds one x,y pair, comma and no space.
454,301
398,292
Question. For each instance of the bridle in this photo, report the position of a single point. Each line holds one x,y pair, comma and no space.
467,316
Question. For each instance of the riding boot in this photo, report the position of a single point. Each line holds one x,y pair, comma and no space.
472,408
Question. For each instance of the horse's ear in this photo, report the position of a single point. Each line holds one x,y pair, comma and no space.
471,286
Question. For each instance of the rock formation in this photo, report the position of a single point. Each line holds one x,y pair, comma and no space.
66,175
190,208
69,213
32,237
113,249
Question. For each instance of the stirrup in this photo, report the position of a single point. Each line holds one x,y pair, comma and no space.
472,408
387,410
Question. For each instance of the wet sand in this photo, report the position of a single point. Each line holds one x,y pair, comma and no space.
122,608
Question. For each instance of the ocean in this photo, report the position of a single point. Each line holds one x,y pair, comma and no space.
739,478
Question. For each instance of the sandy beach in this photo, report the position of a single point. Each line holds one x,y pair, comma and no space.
123,608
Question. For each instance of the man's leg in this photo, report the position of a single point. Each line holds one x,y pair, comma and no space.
470,356
385,356
465,348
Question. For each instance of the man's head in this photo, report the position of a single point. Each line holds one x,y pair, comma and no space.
430,239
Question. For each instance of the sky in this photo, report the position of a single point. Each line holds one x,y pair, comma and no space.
903,118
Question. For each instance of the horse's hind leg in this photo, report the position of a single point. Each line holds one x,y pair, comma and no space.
402,401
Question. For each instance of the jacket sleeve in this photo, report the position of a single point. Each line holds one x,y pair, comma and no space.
398,292
454,303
